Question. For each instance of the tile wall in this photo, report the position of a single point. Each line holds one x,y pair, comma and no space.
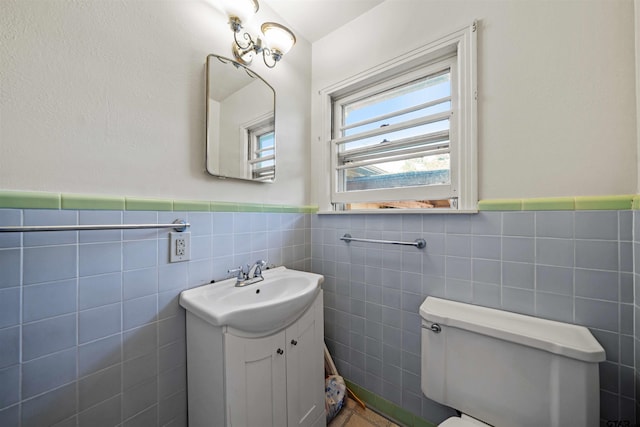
571,266
91,333
636,263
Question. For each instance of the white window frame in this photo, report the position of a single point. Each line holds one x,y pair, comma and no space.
461,48
249,134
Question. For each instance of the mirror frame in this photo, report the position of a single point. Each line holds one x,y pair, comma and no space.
208,125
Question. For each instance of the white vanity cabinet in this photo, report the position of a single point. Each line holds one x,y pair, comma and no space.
242,380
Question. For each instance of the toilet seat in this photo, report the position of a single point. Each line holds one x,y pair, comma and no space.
463,421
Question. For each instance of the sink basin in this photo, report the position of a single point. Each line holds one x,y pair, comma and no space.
265,306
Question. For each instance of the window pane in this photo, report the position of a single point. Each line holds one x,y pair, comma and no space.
266,140
394,136
412,94
426,170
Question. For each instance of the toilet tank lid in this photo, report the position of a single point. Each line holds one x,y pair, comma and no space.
565,339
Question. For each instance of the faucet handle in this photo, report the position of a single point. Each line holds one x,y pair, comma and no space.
239,271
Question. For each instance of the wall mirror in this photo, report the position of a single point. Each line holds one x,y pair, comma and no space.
241,122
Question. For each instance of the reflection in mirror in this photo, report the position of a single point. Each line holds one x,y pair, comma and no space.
240,122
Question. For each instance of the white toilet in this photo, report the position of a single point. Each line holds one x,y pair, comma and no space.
508,370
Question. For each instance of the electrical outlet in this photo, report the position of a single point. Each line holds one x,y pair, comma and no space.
179,246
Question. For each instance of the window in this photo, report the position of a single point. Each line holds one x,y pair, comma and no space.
403,137
262,151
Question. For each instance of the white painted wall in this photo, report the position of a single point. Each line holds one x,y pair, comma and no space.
557,107
107,97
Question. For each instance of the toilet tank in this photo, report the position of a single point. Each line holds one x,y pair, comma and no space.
507,369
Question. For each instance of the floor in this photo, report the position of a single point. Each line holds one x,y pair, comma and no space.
352,415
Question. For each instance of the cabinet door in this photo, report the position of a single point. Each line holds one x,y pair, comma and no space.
305,368
256,381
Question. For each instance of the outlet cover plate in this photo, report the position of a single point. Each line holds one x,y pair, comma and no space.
179,246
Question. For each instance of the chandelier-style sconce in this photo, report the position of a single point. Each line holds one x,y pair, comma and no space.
278,39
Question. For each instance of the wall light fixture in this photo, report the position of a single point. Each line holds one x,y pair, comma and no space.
278,39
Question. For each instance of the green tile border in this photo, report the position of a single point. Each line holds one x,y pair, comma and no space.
549,204
191,206
500,205
45,200
29,200
141,204
619,202
605,202
389,409
11,199
80,201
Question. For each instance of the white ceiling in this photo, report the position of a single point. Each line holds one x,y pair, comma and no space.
313,19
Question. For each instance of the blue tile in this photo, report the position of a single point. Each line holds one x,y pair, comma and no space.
596,284
597,225
140,341
10,416
487,295
105,414
139,311
140,254
486,271
201,223
596,254
519,249
141,217
9,386
50,217
222,222
486,223
9,307
140,370
148,417
139,283
99,322
518,224
458,268
487,247
558,252
47,336
47,264
99,354
173,276
597,314
558,280
610,341
100,217
10,267
458,245
47,373
99,258
10,218
518,300
99,387
411,262
49,300
518,275
458,224
139,398
49,408
459,290
558,224
95,291
625,225
9,346
554,307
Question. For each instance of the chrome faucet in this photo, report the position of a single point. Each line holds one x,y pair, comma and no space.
253,274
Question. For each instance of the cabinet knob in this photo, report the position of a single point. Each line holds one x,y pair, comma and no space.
294,342
280,351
